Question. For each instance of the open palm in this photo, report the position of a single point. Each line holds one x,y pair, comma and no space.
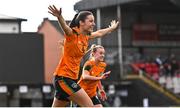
54,11
114,24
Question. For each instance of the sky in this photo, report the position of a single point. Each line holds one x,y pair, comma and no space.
35,11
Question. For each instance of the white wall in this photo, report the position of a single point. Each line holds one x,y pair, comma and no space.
9,27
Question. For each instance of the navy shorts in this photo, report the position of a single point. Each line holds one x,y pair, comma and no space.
65,87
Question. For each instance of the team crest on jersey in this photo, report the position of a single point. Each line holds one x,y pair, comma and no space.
74,85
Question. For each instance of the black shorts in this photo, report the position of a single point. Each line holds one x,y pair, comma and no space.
65,87
95,100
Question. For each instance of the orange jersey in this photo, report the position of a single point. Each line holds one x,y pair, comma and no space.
75,47
90,86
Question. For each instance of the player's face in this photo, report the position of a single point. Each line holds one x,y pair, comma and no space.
99,54
88,24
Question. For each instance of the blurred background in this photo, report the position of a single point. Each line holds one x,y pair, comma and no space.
143,54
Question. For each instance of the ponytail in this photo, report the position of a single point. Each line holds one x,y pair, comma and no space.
91,49
74,22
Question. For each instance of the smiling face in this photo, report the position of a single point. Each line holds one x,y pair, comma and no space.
88,24
99,54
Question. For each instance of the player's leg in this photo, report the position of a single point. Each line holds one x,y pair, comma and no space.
81,98
59,103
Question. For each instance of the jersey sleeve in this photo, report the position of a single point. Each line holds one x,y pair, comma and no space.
73,36
87,66
103,64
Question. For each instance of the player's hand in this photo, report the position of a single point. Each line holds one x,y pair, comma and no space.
54,11
103,95
105,75
114,24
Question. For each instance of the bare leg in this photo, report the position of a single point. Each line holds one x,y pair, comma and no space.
98,105
81,98
59,103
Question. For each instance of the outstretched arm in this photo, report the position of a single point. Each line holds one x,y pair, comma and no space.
57,13
103,32
86,76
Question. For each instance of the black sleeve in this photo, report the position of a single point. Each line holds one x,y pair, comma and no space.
88,67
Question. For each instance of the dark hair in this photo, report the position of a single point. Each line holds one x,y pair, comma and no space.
81,16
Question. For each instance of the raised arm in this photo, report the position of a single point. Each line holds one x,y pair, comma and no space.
58,13
103,32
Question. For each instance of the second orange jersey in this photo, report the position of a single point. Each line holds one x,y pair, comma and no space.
90,86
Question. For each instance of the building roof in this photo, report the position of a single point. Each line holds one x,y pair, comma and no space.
10,18
55,24
92,4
